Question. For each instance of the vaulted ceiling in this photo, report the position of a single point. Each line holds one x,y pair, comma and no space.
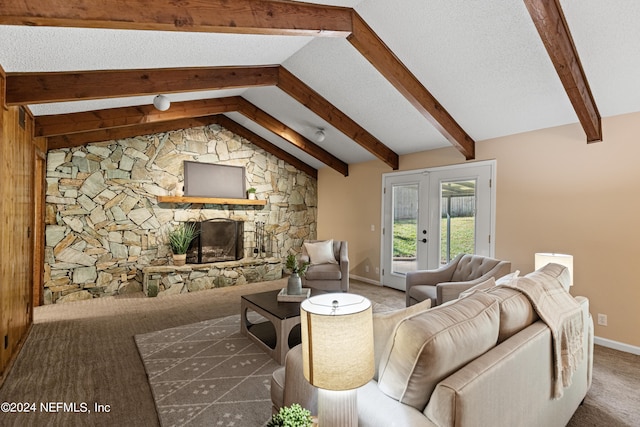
381,78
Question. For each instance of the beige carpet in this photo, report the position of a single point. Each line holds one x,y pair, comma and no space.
85,352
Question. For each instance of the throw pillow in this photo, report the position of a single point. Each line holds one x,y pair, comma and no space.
482,286
320,252
385,322
507,278
428,347
489,284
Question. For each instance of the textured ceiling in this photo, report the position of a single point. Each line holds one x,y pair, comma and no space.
483,60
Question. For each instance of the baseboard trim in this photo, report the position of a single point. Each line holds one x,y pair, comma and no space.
616,345
365,280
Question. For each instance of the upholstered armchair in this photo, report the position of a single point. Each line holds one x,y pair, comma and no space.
329,265
448,281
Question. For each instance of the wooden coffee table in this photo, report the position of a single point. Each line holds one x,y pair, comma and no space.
280,332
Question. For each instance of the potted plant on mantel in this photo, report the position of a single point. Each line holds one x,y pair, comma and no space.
179,239
251,193
298,269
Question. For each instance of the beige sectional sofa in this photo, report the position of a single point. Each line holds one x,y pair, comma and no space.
484,360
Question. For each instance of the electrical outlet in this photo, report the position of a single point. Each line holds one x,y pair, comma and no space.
377,270
602,319
366,268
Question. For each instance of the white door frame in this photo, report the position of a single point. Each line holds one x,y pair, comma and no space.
421,179
491,204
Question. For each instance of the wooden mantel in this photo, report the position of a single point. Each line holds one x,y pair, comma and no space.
210,200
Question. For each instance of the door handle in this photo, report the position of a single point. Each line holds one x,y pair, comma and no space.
424,240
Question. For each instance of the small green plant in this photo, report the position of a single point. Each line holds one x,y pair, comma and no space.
181,236
293,416
251,190
294,266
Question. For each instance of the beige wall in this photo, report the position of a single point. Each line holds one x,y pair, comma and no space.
555,193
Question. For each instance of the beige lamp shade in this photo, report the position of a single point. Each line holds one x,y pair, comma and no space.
337,340
542,259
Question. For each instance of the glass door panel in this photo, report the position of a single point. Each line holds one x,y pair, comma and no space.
404,227
458,219
463,218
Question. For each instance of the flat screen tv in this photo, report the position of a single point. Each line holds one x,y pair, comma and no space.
212,180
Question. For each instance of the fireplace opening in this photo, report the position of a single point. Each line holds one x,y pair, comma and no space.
218,240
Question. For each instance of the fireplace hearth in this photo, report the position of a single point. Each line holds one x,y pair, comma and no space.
218,240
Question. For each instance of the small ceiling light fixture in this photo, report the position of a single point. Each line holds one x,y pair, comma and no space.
320,136
161,102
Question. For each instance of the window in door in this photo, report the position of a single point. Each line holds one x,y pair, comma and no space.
405,227
458,219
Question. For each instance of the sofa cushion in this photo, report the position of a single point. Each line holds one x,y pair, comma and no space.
384,324
516,312
320,252
429,346
324,272
423,292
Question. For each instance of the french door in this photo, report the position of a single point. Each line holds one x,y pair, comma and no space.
430,216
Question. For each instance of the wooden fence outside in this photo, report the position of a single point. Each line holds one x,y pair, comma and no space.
406,204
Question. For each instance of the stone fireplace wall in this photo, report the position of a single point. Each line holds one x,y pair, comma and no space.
104,224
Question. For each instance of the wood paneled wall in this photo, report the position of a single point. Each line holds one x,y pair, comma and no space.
16,228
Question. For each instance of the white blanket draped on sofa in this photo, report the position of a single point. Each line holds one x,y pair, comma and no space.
562,313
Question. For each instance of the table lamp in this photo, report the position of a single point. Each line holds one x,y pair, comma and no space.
542,259
337,353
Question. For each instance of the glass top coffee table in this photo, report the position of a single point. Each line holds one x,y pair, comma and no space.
281,330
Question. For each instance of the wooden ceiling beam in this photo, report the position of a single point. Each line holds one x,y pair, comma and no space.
283,131
82,138
302,93
71,130
223,16
45,87
61,124
63,86
219,16
554,31
77,139
367,42
259,141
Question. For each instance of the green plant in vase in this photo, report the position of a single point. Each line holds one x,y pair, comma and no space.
297,269
251,193
179,240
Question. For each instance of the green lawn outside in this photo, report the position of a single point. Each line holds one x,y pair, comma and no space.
405,237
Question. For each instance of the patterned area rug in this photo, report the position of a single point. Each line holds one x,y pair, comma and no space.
207,374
